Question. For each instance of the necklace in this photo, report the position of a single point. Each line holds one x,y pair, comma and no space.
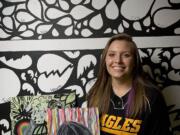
118,102
119,105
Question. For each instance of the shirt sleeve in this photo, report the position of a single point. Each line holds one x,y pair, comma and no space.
158,122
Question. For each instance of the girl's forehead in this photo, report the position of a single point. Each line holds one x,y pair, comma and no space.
119,47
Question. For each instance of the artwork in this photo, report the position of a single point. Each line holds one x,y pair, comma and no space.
73,121
60,19
31,75
28,112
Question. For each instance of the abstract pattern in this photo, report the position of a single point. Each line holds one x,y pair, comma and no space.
28,113
5,122
162,65
30,74
73,121
60,19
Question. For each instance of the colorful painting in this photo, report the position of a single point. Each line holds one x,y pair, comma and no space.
73,121
28,113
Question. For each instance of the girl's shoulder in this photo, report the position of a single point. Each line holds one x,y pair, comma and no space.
155,97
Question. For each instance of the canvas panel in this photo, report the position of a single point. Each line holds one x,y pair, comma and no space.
28,112
73,121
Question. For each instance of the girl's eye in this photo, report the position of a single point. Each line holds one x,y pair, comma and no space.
126,55
111,54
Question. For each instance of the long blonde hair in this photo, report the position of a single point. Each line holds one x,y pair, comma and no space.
99,94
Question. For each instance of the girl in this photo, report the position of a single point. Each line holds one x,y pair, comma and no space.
129,104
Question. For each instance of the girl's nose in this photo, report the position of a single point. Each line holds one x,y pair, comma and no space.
118,59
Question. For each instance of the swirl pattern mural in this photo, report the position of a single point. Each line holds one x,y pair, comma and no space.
60,19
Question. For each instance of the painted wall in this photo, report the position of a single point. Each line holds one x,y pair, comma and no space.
47,46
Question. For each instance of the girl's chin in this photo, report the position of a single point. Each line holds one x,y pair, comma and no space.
117,77
120,77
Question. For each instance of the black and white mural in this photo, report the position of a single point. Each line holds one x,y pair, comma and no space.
48,46
62,19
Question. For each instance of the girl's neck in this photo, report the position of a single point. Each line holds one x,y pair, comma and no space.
120,88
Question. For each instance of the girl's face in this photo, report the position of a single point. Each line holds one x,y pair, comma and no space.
119,60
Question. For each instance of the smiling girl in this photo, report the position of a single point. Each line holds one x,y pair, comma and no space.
129,103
